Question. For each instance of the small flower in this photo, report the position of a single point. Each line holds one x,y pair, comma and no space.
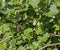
53,16
34,23
38,23
26,17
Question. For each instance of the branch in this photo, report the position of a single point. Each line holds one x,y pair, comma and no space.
55,44
57,35
5,39
52,35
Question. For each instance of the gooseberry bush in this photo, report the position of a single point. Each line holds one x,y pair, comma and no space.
29,24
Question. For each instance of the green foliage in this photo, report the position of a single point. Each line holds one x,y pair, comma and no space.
53,11
21,48
3,46
29,22
34,3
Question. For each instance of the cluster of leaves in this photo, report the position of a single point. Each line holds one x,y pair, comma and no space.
29,22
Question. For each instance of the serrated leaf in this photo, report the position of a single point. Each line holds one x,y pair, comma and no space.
3,3
57,2
13,42
48,48
5,27
8,11
21,48
56,27
27,31
45,37
38,31
55,49
53,11
3,45
33,46
34,3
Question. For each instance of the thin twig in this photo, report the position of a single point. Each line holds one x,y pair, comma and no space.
55,44
57,35
54,35
5,39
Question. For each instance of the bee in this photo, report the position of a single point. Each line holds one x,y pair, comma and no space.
19,27
58,33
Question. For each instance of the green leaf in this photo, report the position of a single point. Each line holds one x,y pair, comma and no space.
57,2
3,3
53,11
27,31
55,49
3,45
34,3
19,42
10,48
38,31
45,37
5,27
9,11
34,46
48,48
21,48
56,27
12,43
